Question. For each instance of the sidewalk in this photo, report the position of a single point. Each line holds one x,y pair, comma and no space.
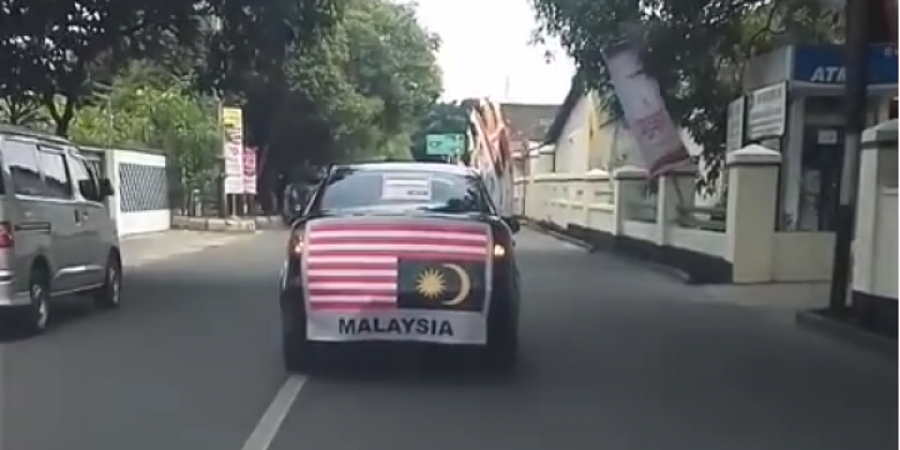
781,300
788,296
147,248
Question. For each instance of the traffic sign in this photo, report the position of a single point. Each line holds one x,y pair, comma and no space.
445,144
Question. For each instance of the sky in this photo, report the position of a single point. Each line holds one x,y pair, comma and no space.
485,52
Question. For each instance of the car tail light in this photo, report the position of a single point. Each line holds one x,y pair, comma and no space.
297,244
6,235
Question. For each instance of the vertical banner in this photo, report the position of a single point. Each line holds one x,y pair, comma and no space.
645,111
233,149
248,161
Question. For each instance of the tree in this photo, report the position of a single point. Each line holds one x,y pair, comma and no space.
360,91
442,118
140,111
54,48
695,49
393,61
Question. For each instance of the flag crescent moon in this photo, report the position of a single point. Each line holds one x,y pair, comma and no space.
465,285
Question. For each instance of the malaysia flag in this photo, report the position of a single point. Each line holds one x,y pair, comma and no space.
360,265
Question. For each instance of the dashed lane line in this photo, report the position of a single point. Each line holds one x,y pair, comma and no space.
262,436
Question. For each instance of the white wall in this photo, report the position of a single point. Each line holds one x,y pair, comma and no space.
573,143
884,276
135,222
875,244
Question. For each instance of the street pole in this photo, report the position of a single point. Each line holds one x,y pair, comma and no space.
224,198
856,51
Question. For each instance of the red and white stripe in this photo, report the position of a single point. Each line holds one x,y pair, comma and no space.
353,266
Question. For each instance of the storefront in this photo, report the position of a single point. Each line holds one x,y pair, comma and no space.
794,103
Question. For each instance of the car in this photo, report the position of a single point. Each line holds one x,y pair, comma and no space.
406,253
56,234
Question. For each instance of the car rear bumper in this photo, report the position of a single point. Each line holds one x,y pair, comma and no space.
295,319
8,295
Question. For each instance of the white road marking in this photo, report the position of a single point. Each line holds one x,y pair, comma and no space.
270,422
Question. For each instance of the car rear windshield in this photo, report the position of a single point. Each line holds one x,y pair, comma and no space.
361,190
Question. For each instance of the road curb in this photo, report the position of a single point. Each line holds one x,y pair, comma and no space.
815,320
662,269
555,232
214,224
547,229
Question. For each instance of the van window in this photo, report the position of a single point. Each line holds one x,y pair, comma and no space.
57,183
21,160
81,172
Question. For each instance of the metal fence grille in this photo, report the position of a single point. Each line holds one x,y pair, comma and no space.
143,188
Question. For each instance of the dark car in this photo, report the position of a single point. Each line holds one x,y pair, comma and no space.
410,253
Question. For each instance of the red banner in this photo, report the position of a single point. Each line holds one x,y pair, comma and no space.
248,162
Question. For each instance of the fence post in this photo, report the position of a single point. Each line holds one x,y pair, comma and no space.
628,184
752,210
676,190
879,155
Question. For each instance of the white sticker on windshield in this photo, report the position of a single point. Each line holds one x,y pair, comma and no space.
406,187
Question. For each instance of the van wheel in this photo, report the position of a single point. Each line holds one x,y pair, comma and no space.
109,296
35,318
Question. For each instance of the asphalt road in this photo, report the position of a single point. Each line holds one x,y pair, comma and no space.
615,357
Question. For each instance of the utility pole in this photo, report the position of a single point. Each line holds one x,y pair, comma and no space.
859,18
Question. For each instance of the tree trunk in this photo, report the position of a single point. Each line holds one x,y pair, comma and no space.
62,121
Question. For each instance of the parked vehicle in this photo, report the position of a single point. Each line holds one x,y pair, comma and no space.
56,234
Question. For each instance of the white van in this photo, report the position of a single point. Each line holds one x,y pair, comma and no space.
56,234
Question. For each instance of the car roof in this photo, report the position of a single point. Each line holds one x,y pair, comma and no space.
410,167
15,130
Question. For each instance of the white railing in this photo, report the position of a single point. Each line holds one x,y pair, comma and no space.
623,207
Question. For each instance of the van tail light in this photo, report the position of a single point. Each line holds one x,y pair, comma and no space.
6,235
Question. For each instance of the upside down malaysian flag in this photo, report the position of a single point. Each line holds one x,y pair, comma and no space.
361,265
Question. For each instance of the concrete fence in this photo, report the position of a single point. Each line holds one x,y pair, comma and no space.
874,294
656,220
140,203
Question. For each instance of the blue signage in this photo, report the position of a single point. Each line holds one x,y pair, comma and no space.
824,64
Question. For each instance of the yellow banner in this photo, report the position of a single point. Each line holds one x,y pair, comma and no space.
233,149
232,121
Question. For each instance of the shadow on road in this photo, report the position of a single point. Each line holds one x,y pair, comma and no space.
403,365
64,312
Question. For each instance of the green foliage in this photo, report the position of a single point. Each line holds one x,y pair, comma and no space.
52,51
361,91
318,80
696,49
140,113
